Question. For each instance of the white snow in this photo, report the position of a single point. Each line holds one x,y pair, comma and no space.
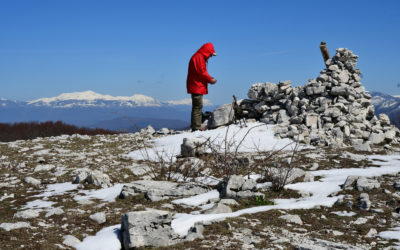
320,190
260,136
92,96
105,239
105,194
198,200
393,234
57,189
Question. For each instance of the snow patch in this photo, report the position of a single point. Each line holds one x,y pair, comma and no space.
198,200
320,190
105,194
105,239
259,135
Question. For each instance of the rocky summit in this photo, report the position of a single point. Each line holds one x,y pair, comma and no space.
332,109
237,186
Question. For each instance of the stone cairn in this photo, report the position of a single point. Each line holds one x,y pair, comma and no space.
333,109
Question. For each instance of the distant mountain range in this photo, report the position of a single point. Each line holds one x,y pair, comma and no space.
90,109
130,113
387,104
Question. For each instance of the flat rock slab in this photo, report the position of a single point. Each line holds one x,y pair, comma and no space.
151,228
160,190
13,226
27,214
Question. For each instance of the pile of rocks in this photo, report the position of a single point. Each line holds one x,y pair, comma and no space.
333,109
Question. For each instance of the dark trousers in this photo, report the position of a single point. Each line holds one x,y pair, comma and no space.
197,111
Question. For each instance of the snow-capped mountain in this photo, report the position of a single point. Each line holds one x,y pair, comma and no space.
387,104
93,99
92,109
90,99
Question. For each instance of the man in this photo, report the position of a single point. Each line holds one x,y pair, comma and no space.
197,82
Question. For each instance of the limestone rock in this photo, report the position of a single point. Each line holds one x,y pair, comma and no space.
27,214
363,202
98,217
70,240
13,226
290,218
219,208
152,228
160,190
94,177
190,147
238,187
223,115
31,180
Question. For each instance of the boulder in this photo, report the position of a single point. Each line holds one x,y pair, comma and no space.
223,115
238,187
160,190
152,228
32,181
70,240
100,217
94,177
190,147
363,202
12,226
292,218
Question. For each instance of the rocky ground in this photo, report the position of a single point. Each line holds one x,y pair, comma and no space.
55,192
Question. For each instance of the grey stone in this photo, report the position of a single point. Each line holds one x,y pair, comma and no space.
312,121
362,147
219,208
190,147
151,228
32,181
238,187
148,130
94,177
231,202
13,226
54,211
308,177
98,179
396,185
333,67
46,167
70,240
163,131
283,117
99,217
223,115
27,214
384,118
314,166
376,138
160,190
343,77
340,91
139,169
290,218
366,184
363,202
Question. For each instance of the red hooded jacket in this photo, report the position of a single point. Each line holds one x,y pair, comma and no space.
198,76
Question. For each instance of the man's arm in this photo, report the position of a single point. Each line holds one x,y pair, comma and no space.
201,70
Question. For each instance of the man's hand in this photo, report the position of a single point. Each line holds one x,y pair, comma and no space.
213,81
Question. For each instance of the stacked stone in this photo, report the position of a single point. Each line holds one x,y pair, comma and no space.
333,109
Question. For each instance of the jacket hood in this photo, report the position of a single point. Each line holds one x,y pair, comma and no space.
206,50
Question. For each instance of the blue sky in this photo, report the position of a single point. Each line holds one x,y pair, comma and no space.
143,47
